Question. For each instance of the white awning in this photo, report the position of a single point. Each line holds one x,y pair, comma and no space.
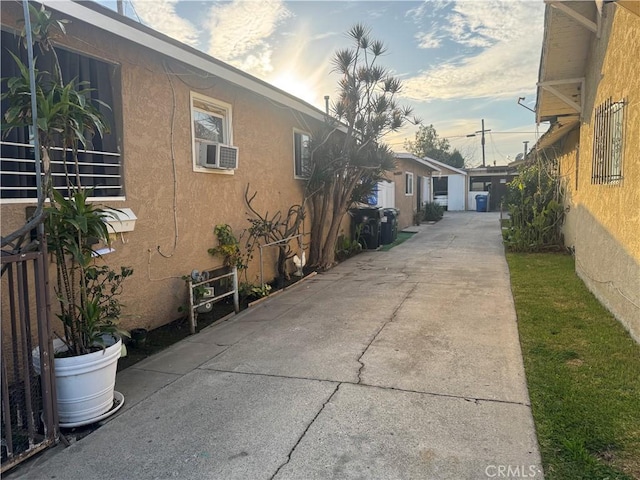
568,29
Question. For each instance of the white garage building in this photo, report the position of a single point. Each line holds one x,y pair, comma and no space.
449,186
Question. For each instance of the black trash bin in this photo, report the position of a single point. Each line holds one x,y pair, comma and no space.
369,232
389,226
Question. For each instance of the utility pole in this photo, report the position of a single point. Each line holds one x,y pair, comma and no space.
482,131
483,142
526,142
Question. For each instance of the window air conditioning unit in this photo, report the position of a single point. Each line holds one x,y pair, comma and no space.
217,155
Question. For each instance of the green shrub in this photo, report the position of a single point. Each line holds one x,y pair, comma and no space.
250,291
228,247
432,212
534,201
346,247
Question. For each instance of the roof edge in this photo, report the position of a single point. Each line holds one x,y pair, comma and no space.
543,55
444,165
556,132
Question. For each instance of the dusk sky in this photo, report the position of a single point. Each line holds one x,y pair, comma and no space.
460,61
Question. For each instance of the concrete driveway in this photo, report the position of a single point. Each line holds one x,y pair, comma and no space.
394,365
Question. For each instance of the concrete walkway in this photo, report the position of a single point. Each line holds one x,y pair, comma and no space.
394,365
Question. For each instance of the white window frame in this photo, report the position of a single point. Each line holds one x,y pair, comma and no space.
227,132
408,184
295,173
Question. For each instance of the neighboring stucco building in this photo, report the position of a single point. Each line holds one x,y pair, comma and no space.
407,188
189,133
589,89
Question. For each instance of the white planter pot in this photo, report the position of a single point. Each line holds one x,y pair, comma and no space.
85,384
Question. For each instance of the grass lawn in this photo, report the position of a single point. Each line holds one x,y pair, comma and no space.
583,372
402,237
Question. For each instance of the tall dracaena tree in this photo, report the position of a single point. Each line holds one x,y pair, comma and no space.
348,157
66,117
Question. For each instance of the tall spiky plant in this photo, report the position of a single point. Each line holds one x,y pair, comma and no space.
348,158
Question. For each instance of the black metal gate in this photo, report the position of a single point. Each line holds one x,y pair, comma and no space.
29,417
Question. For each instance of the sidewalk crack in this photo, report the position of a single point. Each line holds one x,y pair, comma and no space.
387,322
305,432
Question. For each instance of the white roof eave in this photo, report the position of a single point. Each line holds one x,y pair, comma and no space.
444,165
556,132
566,31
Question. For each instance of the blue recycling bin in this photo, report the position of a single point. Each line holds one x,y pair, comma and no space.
482,203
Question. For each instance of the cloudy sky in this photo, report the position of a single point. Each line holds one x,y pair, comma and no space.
461,61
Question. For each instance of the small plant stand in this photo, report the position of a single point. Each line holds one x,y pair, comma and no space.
195,302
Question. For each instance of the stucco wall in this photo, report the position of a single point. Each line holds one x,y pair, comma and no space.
177,214
567,157
603,221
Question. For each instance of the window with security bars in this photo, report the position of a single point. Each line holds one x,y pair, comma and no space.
99,162
608,143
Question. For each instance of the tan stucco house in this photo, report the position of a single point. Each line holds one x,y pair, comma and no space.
189,133
589,90
407,187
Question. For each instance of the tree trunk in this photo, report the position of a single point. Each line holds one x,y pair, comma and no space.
329,251
338,208
316,230
321,206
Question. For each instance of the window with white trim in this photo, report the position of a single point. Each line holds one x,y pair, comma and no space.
99,162
408,183
608,143
210,125
301,154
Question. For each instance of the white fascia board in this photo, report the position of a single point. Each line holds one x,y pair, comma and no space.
445,166
111,25
427,164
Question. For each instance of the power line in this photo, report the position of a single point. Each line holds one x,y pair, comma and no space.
501,133
529,133
496,148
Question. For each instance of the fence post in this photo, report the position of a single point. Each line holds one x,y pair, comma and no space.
192,317
236,295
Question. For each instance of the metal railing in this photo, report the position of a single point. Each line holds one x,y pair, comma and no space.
29,416
273,244
195,302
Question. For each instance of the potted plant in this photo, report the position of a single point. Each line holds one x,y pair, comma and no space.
86,289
